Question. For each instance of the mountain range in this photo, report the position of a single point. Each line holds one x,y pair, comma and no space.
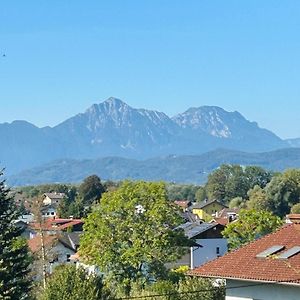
171,168
113,128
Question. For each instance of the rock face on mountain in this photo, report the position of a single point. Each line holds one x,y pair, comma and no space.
113,128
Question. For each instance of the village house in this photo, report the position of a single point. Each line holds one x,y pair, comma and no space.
208,243
52,226
183,204
53,198
58,248
226,216
266,269
206,210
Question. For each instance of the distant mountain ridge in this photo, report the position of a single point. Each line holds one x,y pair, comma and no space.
172,168
113,128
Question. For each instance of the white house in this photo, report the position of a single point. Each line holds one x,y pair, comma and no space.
53,198
266,269
208,243
58,247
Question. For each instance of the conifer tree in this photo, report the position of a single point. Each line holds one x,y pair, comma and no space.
14,257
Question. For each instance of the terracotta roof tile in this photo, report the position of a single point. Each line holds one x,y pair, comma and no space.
243,263
57,224
35,243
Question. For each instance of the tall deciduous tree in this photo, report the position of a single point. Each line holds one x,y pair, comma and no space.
14,257
251,225
283,192
91,189
130,233
230,181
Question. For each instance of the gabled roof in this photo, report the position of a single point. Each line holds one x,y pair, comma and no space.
69,240
206,203
244,264
55,195
183,203
191,230
57,224
35,244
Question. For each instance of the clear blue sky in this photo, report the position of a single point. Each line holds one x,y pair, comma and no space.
62,56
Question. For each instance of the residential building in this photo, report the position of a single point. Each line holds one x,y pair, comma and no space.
208,243
266,269
58,248
206,210
53,198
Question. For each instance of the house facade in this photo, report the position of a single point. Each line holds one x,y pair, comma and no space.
206,210
58,248
266,269
53,198
208,243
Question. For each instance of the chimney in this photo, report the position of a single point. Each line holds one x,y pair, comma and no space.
292,218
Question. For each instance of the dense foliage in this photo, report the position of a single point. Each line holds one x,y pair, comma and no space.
91,189
230,181
193,288
250,225
68,282
14,257
130,235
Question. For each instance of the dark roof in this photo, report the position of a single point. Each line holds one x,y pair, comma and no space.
206,203
191,230
243,263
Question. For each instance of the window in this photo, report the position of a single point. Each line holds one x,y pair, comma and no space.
68,257
218,250
52,213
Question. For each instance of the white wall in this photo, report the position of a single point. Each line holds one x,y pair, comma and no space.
268,291
208,251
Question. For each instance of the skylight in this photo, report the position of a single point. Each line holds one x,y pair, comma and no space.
270,251
291,252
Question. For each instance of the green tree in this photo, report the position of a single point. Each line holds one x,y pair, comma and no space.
200,195
257,199
250,225
188,288
230,181
14,257
237,202
283,192
68,282
295,209
91,189
130,235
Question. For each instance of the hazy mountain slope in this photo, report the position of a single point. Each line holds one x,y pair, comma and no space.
293,142
188,169
229,129
113,128
25,145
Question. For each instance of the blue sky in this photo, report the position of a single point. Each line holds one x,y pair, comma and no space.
63,56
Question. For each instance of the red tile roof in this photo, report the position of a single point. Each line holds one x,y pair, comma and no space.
183,203
243,263
57,224
35,244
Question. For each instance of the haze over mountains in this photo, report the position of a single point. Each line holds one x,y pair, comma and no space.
113,128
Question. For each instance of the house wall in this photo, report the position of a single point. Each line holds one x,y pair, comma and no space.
268,291
208,250
206,212
49,213
199,256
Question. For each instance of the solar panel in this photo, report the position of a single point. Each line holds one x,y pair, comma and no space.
287,254
269,251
